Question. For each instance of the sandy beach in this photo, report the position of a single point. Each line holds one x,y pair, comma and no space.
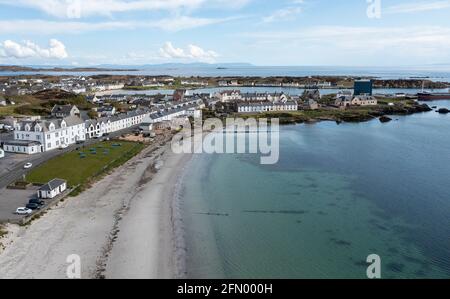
120,228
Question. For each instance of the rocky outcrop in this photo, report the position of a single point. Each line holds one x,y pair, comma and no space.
385,119
406,109
443,111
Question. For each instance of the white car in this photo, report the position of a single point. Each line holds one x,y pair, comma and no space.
28,166
63,146
23,211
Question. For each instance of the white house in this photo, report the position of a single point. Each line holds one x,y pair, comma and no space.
52,189
106,111
344,101
364,100
260,97
50,134
22,147
229,95
65,111
146,127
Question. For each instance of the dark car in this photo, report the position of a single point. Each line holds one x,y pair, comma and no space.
37,201
33,206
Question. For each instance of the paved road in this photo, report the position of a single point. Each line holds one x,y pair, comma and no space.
16,170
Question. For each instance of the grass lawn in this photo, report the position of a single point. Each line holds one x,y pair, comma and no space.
78,170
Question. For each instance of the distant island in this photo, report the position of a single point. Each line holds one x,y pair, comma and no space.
16,68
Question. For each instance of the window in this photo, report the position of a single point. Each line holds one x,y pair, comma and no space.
49,145
48,136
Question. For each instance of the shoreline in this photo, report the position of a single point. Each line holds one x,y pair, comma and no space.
134,253
94,225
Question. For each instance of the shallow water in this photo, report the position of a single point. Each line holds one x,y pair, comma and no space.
338,194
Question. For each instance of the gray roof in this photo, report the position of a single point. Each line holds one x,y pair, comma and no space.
21,143
365,98
73,121
45,124
105,109
52,185
62,109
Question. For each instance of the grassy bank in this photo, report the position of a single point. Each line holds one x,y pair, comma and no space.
83,166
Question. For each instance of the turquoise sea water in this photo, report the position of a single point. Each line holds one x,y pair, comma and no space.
338,194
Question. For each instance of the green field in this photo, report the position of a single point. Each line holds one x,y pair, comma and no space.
78,170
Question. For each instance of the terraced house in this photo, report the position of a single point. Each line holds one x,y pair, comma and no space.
105,125
266,106
32,137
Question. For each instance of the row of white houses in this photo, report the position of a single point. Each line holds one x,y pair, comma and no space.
31,137
251,107
106,125
236,95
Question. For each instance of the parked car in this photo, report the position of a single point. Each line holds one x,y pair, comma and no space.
28,166
23,211
80,142
33,206
63,146
37,201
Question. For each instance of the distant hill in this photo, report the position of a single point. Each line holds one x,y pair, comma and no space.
17,68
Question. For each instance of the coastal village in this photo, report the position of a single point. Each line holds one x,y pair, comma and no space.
83,120
67,137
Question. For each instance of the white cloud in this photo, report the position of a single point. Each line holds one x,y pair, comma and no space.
70,27
28,49
287,13
87,8
412,7
184,23
424,42
192,52
283,14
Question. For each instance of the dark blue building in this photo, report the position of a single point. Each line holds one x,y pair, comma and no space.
363,87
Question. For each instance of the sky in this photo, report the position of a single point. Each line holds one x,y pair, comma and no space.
260,32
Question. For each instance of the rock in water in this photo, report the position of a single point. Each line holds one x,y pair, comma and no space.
385,119
443,111
423,108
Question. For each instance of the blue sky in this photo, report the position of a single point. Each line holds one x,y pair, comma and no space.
261,32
